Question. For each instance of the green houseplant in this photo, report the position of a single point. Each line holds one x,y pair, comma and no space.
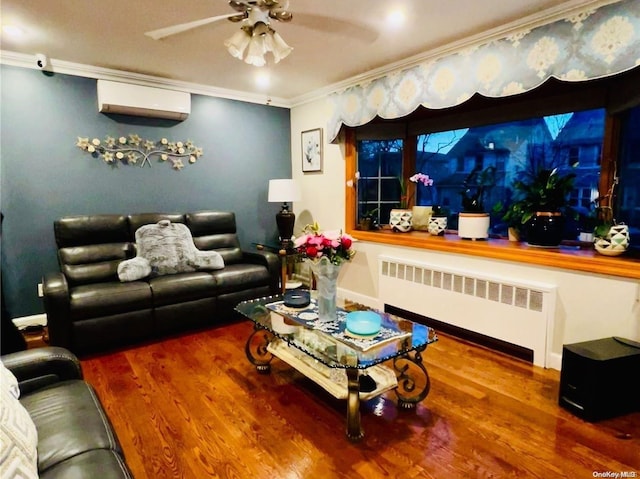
368,220
473,220
511,214
542,201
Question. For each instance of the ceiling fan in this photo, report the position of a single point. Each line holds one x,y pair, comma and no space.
255,38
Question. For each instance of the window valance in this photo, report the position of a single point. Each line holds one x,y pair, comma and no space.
590,44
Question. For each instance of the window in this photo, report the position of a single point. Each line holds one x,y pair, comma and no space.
380,166
627,200
570,141
608,106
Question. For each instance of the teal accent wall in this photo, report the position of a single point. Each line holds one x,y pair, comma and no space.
44,176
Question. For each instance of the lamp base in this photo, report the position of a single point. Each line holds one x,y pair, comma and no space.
285,220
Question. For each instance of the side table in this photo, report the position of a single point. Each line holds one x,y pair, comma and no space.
287,257
36,337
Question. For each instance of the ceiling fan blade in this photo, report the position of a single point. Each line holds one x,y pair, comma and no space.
183,27
351,29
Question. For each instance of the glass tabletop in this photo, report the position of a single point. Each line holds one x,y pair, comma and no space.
329,343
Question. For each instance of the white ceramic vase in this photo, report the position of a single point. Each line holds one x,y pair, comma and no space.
615,242
437,225
400,220
473,225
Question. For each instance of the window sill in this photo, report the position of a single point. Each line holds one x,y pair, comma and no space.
566,257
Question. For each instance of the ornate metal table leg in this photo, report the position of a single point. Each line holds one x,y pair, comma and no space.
354,429
413,379
256,350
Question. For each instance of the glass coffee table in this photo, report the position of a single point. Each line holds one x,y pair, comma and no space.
348,366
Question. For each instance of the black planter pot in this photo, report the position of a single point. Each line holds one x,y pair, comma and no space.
545,228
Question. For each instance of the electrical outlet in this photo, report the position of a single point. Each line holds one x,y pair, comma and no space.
40,291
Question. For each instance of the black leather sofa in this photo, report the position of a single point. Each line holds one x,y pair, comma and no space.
75,437
89,310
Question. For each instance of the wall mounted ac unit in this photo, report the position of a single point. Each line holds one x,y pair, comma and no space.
137,100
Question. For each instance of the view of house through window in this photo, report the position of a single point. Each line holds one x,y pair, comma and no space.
628,193
570,142
380,168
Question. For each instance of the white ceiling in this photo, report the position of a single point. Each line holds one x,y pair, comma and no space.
334,40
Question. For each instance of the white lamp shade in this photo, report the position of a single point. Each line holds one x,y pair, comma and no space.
278,47
255,54
238,43
284,190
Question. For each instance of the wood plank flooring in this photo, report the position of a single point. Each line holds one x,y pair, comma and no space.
194,407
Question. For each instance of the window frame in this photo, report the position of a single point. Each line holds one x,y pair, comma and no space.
566,257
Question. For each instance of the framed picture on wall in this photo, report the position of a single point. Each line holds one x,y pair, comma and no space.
312,150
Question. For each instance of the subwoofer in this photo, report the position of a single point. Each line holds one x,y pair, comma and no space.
599,379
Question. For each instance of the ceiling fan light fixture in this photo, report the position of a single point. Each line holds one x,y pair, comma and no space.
255,54
260,29
238,43
278,47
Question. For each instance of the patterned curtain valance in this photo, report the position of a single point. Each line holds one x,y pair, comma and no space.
591,44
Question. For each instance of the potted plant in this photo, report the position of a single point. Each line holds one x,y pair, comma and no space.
473,220
543,201
400,219
421,213
610,238
512,217
437,221
368,220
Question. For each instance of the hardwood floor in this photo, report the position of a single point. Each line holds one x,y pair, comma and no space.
194,407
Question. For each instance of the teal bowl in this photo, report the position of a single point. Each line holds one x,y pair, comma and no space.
364,323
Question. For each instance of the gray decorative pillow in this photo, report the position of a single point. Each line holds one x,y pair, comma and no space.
134,269
168,248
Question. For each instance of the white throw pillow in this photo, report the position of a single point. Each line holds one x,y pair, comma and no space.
8,381
18,434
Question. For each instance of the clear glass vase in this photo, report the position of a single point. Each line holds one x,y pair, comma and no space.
326,274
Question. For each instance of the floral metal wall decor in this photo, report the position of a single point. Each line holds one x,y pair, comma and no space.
134,150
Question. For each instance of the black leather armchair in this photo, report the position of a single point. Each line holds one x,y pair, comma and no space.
75,436
89,309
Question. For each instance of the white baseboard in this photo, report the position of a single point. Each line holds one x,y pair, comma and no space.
554,361
35,320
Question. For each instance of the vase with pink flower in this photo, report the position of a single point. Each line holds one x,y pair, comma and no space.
402,219
325,252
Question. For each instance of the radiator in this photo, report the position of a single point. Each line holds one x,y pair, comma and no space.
509,309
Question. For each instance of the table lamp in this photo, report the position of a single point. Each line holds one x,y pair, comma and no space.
284,190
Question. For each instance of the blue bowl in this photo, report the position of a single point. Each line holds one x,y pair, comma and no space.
364,323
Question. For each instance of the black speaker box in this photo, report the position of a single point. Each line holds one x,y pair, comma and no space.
600,379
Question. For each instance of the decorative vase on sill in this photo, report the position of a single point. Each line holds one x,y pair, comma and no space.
473,226
615,242
400,220
545,229
326,274
420,219
513,233
437,225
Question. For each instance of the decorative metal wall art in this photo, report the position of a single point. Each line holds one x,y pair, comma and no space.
134,150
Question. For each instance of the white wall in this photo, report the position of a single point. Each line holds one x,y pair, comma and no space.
323,194
588,306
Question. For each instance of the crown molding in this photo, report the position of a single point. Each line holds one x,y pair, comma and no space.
99,73
530,22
